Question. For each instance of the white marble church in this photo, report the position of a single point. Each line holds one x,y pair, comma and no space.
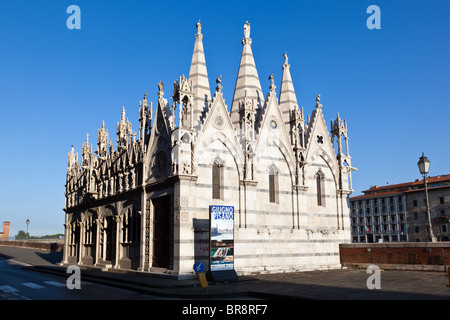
144,204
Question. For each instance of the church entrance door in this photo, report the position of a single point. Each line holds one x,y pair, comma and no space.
161,232
110,238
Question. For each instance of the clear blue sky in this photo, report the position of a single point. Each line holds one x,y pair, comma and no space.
57,84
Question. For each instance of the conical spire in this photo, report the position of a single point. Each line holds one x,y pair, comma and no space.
198,76
288,99
247,83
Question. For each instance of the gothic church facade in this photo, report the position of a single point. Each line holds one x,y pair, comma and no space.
144,205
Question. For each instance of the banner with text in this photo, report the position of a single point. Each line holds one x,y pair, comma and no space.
221,238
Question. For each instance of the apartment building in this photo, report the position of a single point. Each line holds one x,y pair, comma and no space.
397,213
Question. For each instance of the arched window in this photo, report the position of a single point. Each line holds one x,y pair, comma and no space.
273,185
320,189
217,176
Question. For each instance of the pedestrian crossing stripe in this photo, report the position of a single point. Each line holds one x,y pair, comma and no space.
8,289
32,285
55,283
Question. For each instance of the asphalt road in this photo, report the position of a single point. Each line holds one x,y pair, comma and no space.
17,283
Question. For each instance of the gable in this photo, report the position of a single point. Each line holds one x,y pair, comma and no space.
272,131
217,126
158,159
319,142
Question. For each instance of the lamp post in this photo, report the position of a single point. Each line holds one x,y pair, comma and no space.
28,222
424,167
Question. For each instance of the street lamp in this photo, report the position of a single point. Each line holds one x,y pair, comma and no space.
424,167
28,222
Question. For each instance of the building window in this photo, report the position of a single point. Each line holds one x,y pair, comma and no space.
444,228
416,229
414,203
217,173
441,200
273,185
320,189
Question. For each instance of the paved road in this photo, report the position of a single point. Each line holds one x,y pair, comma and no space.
18,283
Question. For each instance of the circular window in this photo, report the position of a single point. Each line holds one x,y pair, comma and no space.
219,121
273,124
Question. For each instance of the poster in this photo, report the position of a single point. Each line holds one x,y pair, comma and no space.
221,238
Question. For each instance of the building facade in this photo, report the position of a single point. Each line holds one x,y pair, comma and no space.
4,235
397,213
144,204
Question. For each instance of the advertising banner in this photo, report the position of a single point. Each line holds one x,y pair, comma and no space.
221,238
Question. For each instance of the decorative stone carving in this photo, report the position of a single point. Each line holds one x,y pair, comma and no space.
161,164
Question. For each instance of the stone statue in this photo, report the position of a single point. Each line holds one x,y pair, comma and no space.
160,88
285,58
272,82
199,27
318,105
219,86
246,30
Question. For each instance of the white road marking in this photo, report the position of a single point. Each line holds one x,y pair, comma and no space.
32,285
11,293
55,283
8,289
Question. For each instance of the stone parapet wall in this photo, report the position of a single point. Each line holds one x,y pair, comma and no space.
401,256
43,245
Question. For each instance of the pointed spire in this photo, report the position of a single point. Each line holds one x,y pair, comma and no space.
288,99
102,142
122,118
123,130
198,76
87,152
72,160
247,80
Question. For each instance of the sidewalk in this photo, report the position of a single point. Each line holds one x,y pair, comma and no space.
342,284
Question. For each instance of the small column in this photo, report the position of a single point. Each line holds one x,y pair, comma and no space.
118,220
97,240
66,242
81,248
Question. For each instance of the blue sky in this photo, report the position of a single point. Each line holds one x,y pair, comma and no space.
57,84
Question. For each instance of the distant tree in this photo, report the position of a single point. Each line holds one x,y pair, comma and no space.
52,236
22,235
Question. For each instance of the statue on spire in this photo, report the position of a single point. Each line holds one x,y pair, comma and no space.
199,27
247,30
160,89
272,86
219,86
318,105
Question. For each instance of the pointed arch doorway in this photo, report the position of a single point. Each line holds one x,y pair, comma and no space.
110,239
161,232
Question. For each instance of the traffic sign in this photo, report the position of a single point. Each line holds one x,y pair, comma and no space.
199,267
